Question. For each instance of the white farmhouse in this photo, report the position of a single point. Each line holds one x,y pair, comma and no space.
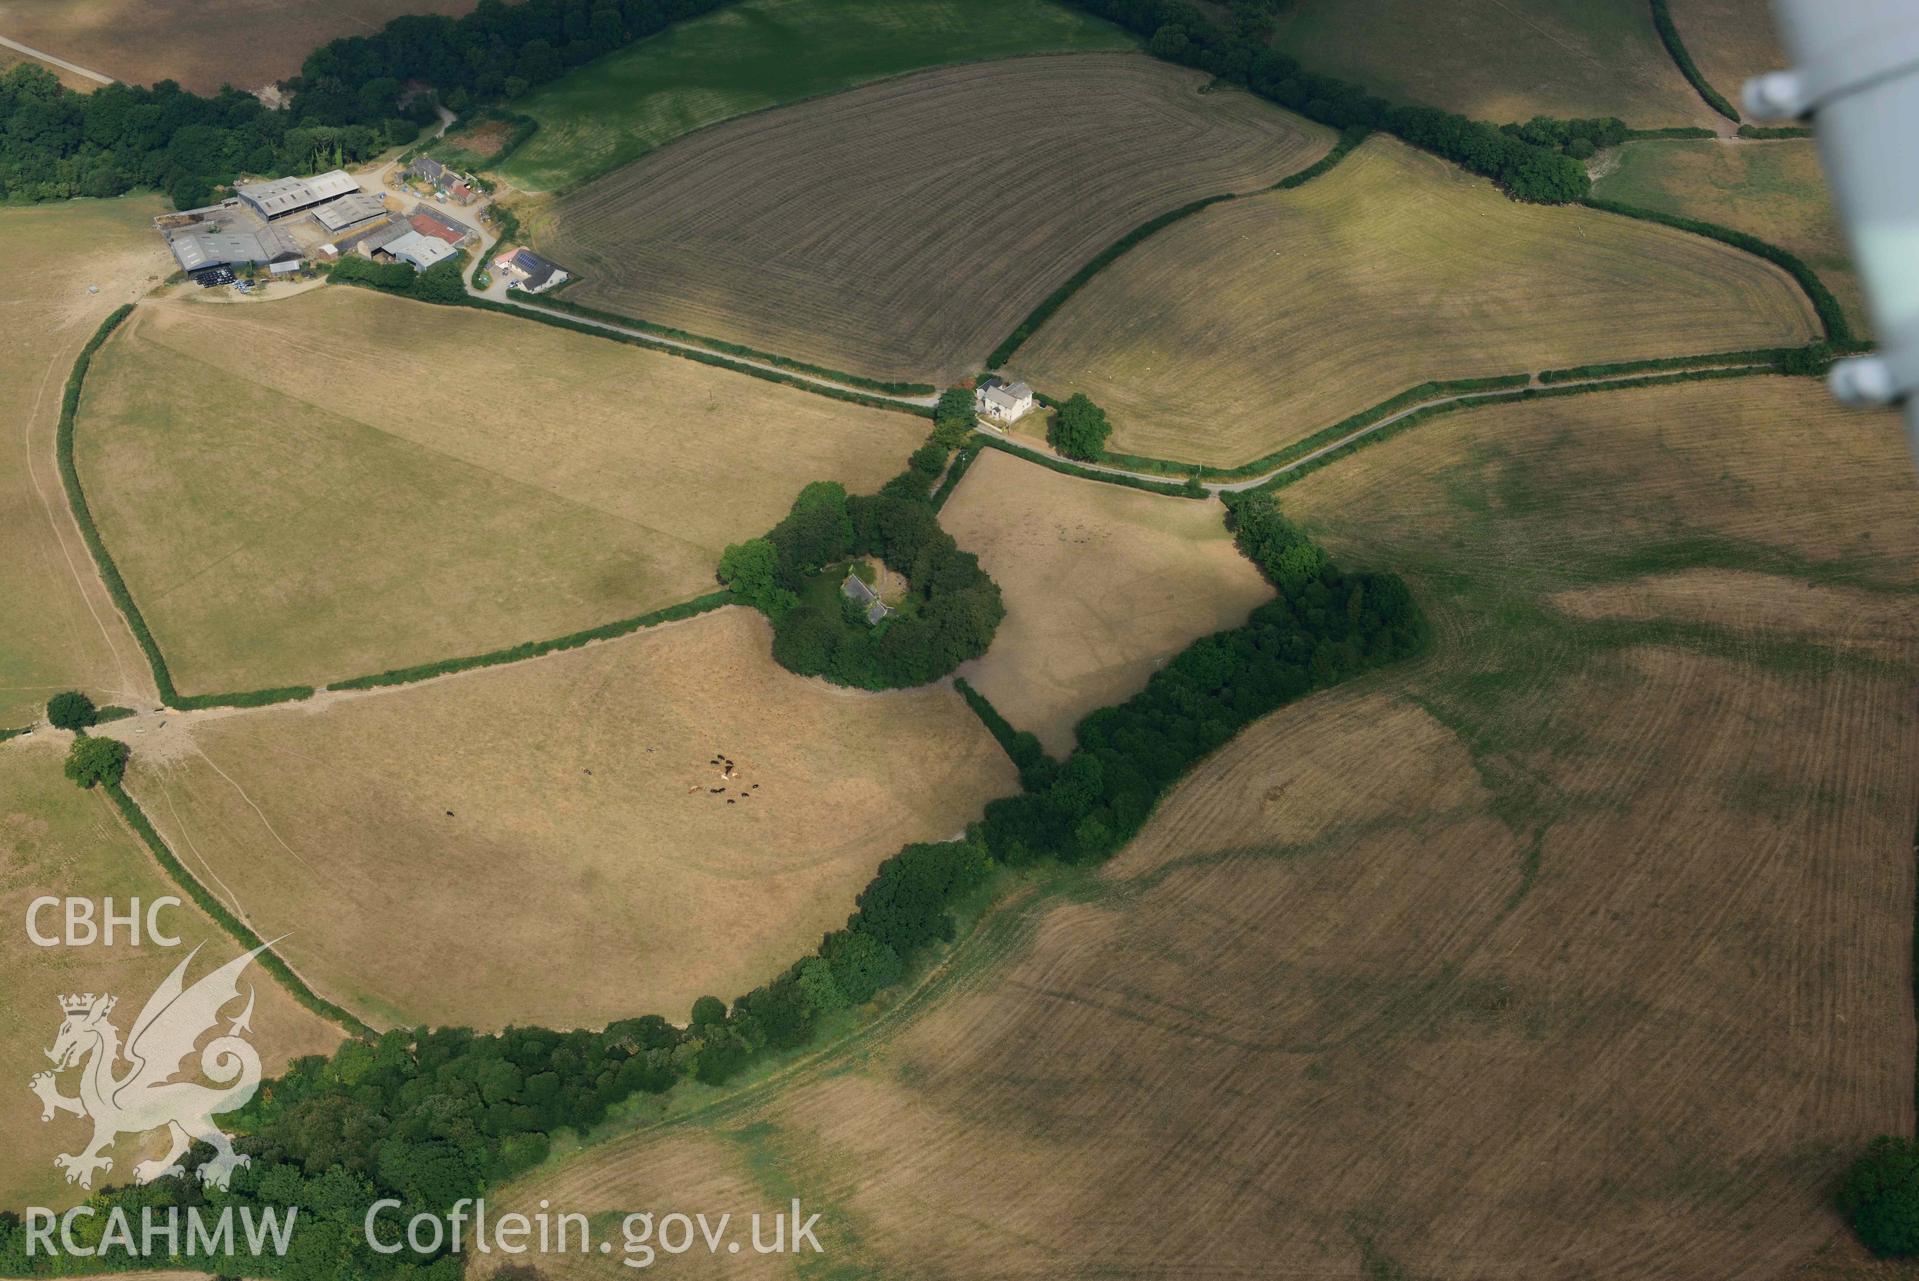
1006,402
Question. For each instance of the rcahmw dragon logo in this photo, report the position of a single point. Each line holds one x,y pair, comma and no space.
145,1096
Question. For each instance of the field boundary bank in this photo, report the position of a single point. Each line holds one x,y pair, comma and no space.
1413,417
527,650
1682,58
721,346
1831,316
270,960
103,561
920,407
1342,147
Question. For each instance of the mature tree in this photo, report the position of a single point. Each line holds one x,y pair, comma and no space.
96,760
1080,428
709,1011
71,710
1880,1196
929,459
751,571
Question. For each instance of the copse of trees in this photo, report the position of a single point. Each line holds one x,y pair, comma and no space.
350,101
952,611
1880,1197
1178,32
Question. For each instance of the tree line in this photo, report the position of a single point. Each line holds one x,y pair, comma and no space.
431,1116
353,98
1242,54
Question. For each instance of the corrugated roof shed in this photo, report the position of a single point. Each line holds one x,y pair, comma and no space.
197,250
421,251
286,195
349,210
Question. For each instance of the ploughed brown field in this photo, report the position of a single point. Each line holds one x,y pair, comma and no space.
901,230
1572,949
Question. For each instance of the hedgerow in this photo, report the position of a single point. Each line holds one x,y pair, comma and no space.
1764,133
1754,356
1022,747
1672,132
534,649
1669,34
1345,426
1065,468
741,349
1412,420
269,959
1831,315
962,461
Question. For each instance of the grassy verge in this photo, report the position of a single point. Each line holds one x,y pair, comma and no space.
110,572
1831,315
1410,421
534,649
136,819
1682,57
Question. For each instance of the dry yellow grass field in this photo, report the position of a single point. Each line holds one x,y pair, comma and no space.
902,229
1500,60
1729,40
397,483
1102,585
1774,190
1257,322
246,43
1575,949
60,629
548,842
58,840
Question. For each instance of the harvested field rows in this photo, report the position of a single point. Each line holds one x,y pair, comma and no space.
1257,322
1560,953
60,631
56,839
902,229
1102,586
552,842
245,43
1500,60
1774,190
766,53
405,483
1730,40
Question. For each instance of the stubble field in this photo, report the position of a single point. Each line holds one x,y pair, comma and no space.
902,229
1559,953
344,482
553,843
1500,60
1250,325
60,629
58,840
1774,190
766,53
1102,586
245,43
1730,40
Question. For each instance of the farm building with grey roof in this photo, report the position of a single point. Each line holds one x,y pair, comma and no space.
283,196
198,251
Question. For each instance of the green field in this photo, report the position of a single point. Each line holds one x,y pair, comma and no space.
765,53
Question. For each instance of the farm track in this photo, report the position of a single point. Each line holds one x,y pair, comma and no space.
51,59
